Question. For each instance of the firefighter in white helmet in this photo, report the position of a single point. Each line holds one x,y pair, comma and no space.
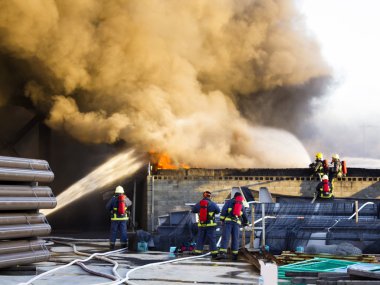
324,188
117,206
336,167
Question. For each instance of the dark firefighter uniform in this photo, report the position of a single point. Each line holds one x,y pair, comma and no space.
206,230
318,166
231,227
118,221
324,189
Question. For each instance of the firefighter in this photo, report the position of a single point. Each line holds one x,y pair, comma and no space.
206,210
233,216
324,189
336,169
318,166
117,206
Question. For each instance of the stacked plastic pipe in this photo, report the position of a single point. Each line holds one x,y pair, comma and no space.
21,197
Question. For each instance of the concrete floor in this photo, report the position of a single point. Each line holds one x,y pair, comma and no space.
195,271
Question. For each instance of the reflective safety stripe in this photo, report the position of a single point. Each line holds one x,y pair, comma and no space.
214,251
120,219
236,220
222,249
235,252
115,216
211,224
197,251
321,195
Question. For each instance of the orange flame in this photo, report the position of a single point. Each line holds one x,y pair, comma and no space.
163,161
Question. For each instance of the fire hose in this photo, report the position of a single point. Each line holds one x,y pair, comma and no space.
116,276
126,279
69,264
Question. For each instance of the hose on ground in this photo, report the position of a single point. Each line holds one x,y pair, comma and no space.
69,264
101,274
118,281
126,279
115,275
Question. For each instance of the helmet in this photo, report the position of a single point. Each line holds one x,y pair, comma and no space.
319,155
119,190
325,177
237,194
206,194
335,156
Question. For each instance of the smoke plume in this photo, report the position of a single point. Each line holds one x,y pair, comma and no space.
209,82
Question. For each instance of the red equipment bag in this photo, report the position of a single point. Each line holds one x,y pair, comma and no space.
326,187
344,167
121,205
236,211
203,215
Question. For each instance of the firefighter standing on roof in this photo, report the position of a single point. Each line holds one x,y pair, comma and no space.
319,166
117,206
207,210
336,167
233,215
325,188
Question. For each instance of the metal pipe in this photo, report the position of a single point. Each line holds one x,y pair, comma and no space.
21,218
25,191
356,211
25,163
362,206
134,206
353,215
25,175
20,246
27,203
252,237
23,231
152,215
263,224
20,258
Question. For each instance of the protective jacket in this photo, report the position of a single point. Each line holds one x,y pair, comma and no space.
212,210
113,205
319,168
336,169
228,216
325,189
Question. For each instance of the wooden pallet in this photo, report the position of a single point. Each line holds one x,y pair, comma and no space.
334,278
288,257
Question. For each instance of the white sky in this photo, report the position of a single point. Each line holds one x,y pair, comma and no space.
349,34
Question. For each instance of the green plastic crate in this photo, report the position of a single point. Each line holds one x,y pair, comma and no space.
315,265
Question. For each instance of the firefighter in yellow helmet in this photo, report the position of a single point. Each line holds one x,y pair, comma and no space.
319,167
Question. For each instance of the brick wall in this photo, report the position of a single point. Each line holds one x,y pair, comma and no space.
173,189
